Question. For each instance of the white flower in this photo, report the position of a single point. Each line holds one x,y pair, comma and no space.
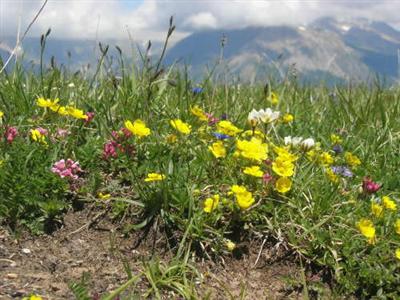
253,117
295,141
308,143
265,116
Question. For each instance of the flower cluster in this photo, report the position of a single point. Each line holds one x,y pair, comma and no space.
67,169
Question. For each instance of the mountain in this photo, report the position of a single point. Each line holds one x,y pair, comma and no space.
326,49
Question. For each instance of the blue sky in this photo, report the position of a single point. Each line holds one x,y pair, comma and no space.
130,4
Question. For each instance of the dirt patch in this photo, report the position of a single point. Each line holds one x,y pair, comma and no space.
45,265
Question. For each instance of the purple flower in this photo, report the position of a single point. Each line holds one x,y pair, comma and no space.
197,90
337,149
10,134
342,170
221,136
66,169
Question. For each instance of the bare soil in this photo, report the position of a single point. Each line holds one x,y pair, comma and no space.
46,264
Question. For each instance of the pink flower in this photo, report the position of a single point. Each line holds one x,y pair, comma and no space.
267,178
42,130
10,134
369,186
110,149
89,117
62,133
67,169
211,119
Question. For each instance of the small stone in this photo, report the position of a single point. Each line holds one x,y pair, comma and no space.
26,251
12,276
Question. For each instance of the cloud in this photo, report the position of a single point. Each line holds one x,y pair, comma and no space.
148,19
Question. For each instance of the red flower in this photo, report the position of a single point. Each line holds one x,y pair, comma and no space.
369,186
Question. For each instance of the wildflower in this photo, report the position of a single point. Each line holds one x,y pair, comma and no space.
154,177
33,297
211,119
342,170
335,139
369,186
293,141
171,138
287,118
283,185
376,209
89,117
199,113
138,128
273,98
256,133
211,203
62,133
110,149
197,90
326,159
230,245
337,149
39,135
283,167
244,198
76,113
254,149
103,196
332,176
264,116
220,136
10,134
307,144
267,178
1,114
352,160
253,171
67,169
284,153
397,226
226,127
311,155
397,253
389,203
181,126
218,149
47,103
367,229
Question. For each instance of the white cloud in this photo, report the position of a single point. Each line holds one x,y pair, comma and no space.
149,20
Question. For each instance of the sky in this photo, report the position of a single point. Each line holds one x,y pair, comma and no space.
148,19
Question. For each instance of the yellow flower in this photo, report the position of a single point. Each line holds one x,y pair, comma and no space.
199,113
38,137
138,128
154,177
52,104
284,153
335,139
273,98
351,159
283,167
171,138
253,171
397,253
103,196
254,149
33,297
287,118
227,128
75,113
1,114
311,155
332,176
389,203
182,127
218,149
397,226
367,229
211,203
244,198
376,209
61,110
326,159
256,133
230,245
283,185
